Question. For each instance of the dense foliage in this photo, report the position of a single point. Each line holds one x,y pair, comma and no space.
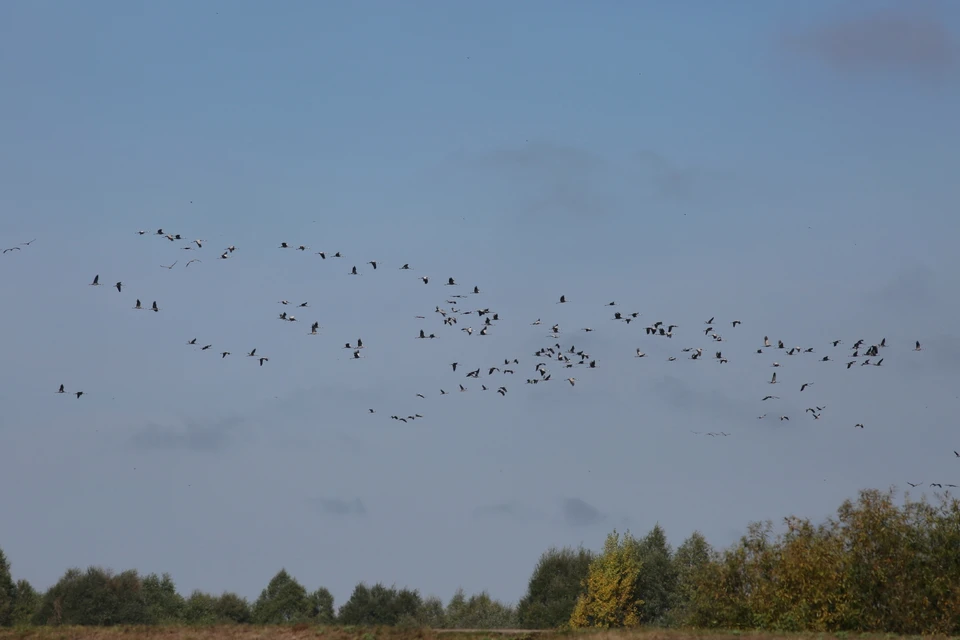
877,566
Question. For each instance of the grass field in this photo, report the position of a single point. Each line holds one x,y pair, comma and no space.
246,632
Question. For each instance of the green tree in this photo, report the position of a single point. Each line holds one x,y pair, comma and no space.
728,588
903,563
200,608
657,584
432,614
876,567
610,597
230,607
26,604
689,561
379,605
321,602
806,588
8,592
283,601
554,587
479,611
164,604
94,597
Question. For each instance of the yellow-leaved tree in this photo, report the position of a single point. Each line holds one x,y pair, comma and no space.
609,598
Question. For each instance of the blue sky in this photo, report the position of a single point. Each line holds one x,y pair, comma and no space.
790,165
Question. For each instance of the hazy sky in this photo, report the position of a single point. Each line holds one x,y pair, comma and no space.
790,165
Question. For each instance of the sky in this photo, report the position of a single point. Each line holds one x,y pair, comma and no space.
789,165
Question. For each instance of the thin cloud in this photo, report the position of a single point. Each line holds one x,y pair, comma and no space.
881,41
512,510
579,513
547,178
942,351
540,157
672,181
558,180
681,394
913,287
190,436
339,507
503,509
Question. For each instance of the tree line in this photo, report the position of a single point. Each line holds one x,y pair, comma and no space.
876,566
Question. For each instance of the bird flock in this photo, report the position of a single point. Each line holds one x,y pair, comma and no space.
460,307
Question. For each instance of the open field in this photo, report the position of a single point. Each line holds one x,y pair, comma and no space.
251,632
